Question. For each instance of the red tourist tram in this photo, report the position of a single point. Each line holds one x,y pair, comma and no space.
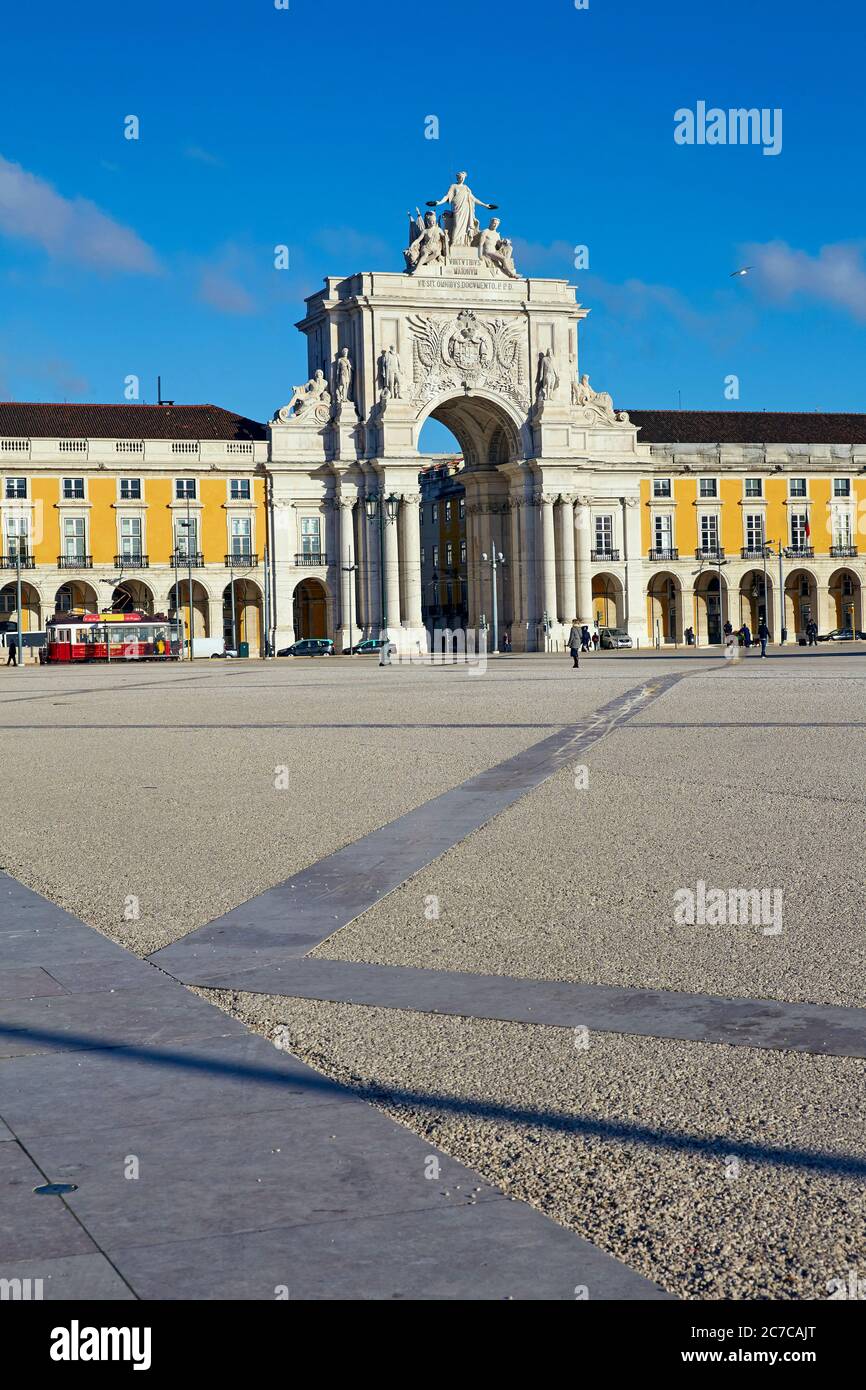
112,637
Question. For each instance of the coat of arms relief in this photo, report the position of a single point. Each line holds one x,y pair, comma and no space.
465,351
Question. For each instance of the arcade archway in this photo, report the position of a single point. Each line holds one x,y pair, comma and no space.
310,603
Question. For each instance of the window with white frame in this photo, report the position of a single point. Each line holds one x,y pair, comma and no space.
841,487
130,489
463,552
661,487
242,537
710,533
72,489
755,531
842,529
130,537
461,508
449,554
311,535
435,557
799,522
797,487
184,489
16,488
74,538
664,532
604,534
240,489
17,528
448,511
754,487
708,487
434,512
186,536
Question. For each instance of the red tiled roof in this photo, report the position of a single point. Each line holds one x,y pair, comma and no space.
49,420
747,427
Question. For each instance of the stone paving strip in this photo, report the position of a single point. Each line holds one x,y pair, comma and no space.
207,1164
260,947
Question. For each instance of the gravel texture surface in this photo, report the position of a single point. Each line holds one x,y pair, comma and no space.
698,1165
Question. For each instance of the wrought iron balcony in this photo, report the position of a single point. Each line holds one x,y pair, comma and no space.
604,555
185,562
135,561
755,552
843,552
9,562
312,558
800,552
664,553
710,552
75,562
242,560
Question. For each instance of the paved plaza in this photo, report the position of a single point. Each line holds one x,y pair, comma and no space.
347,957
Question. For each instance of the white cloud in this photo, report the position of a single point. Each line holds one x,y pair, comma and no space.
222,291
69,229
203,156
837,275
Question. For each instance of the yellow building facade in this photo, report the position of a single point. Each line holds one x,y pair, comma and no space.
122,508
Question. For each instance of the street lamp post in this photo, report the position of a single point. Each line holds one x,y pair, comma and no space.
189,568
494,559
234,606
350,569
20,651
378,503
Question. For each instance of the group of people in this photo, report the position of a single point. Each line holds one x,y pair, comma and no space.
580,639
744,634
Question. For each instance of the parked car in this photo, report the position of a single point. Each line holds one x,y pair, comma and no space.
309,646
840,634
371,646
611,637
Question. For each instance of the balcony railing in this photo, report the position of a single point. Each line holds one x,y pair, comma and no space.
135,561
843,552
313,558
9,562
800,552
604,555
185,562
75,562
710,552
755,552
664,553
242,560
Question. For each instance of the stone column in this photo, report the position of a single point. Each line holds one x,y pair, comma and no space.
392,571
584,572
531,575
515,568
569,589
548,558
348,630
411,557
374,580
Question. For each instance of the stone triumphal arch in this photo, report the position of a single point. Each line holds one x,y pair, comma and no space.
461,336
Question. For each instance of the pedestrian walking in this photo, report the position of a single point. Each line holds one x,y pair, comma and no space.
575,642
812,632
595,641
763,636
506,641
11,651
584,638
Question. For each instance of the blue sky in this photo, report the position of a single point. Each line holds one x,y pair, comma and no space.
305,126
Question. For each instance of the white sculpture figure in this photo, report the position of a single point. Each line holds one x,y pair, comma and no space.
390,373
596,403
428,244
496,251
461,222
546,379
307,398
342,377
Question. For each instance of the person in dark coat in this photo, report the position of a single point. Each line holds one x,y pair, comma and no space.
575,641
763,636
